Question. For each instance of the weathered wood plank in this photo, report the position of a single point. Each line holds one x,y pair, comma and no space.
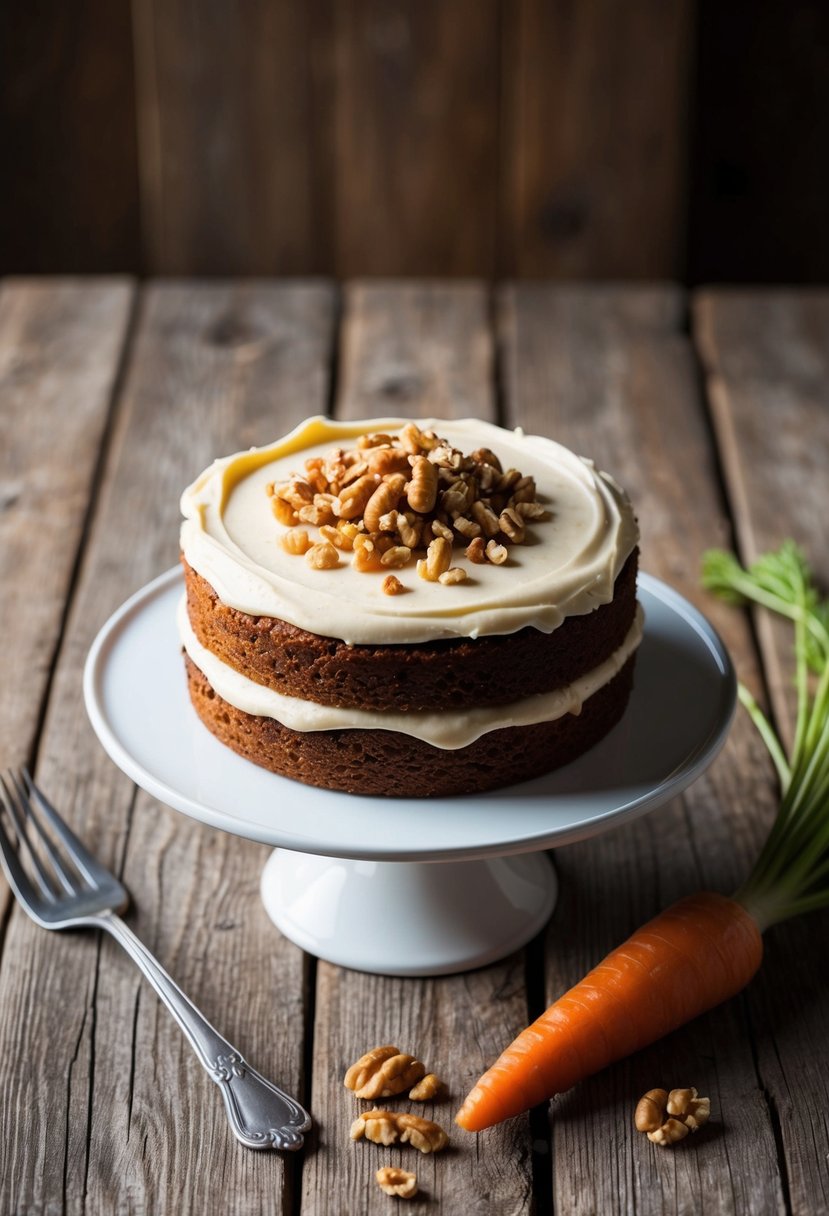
413,351
594,132
608,373
60,346
226,138
107,1109
413,109
766,359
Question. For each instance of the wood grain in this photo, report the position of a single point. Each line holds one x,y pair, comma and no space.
766,359
414,112
60,349
106,1107
608,373
434,341
226,138
594,126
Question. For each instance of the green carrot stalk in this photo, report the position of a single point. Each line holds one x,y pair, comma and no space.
790,875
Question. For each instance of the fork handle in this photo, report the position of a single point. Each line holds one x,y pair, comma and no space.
260,1114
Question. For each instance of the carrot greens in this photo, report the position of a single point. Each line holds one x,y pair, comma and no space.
791,875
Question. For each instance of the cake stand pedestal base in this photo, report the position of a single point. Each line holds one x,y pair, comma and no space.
409,918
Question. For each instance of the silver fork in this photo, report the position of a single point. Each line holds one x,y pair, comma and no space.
70,889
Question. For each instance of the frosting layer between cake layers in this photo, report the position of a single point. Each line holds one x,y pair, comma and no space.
446,729
231,538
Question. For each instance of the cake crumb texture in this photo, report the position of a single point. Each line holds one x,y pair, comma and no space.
388,763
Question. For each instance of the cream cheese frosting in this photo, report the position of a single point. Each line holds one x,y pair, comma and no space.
446,729
568,567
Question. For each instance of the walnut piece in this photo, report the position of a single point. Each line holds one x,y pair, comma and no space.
423,488
296,542
384,499
427,1088
405,492
436,562
686,1104
322,556
476,551
650,1110
383,1072
667,1118
397,1182
496,553
390,1127
392,585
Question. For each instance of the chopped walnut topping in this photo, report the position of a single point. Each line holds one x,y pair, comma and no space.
353,498
466,527
384,499
397,1182
366,554
486,518
374,440
296,542
530,510
496,553
392,496
476,551
512,525
397,555
322,556
392,585
436,562
423,487
284,512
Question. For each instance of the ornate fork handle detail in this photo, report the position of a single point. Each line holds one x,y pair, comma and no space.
261,1115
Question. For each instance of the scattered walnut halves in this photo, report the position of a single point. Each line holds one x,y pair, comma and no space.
383,1072
668,1117
390,1127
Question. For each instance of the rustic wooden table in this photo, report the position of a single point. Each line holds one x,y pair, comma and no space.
713,412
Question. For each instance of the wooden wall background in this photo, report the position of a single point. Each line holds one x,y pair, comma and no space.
564,138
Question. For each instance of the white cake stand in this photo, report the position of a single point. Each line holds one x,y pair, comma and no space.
406,886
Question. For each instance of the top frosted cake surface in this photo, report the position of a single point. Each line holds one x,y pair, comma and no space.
567,566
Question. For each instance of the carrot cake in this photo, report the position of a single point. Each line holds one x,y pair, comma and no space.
384,607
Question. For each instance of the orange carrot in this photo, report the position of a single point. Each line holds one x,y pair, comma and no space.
707,947
687,959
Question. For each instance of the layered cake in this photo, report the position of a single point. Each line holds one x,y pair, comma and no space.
393,608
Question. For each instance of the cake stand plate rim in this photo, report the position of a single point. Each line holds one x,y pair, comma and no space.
142,620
